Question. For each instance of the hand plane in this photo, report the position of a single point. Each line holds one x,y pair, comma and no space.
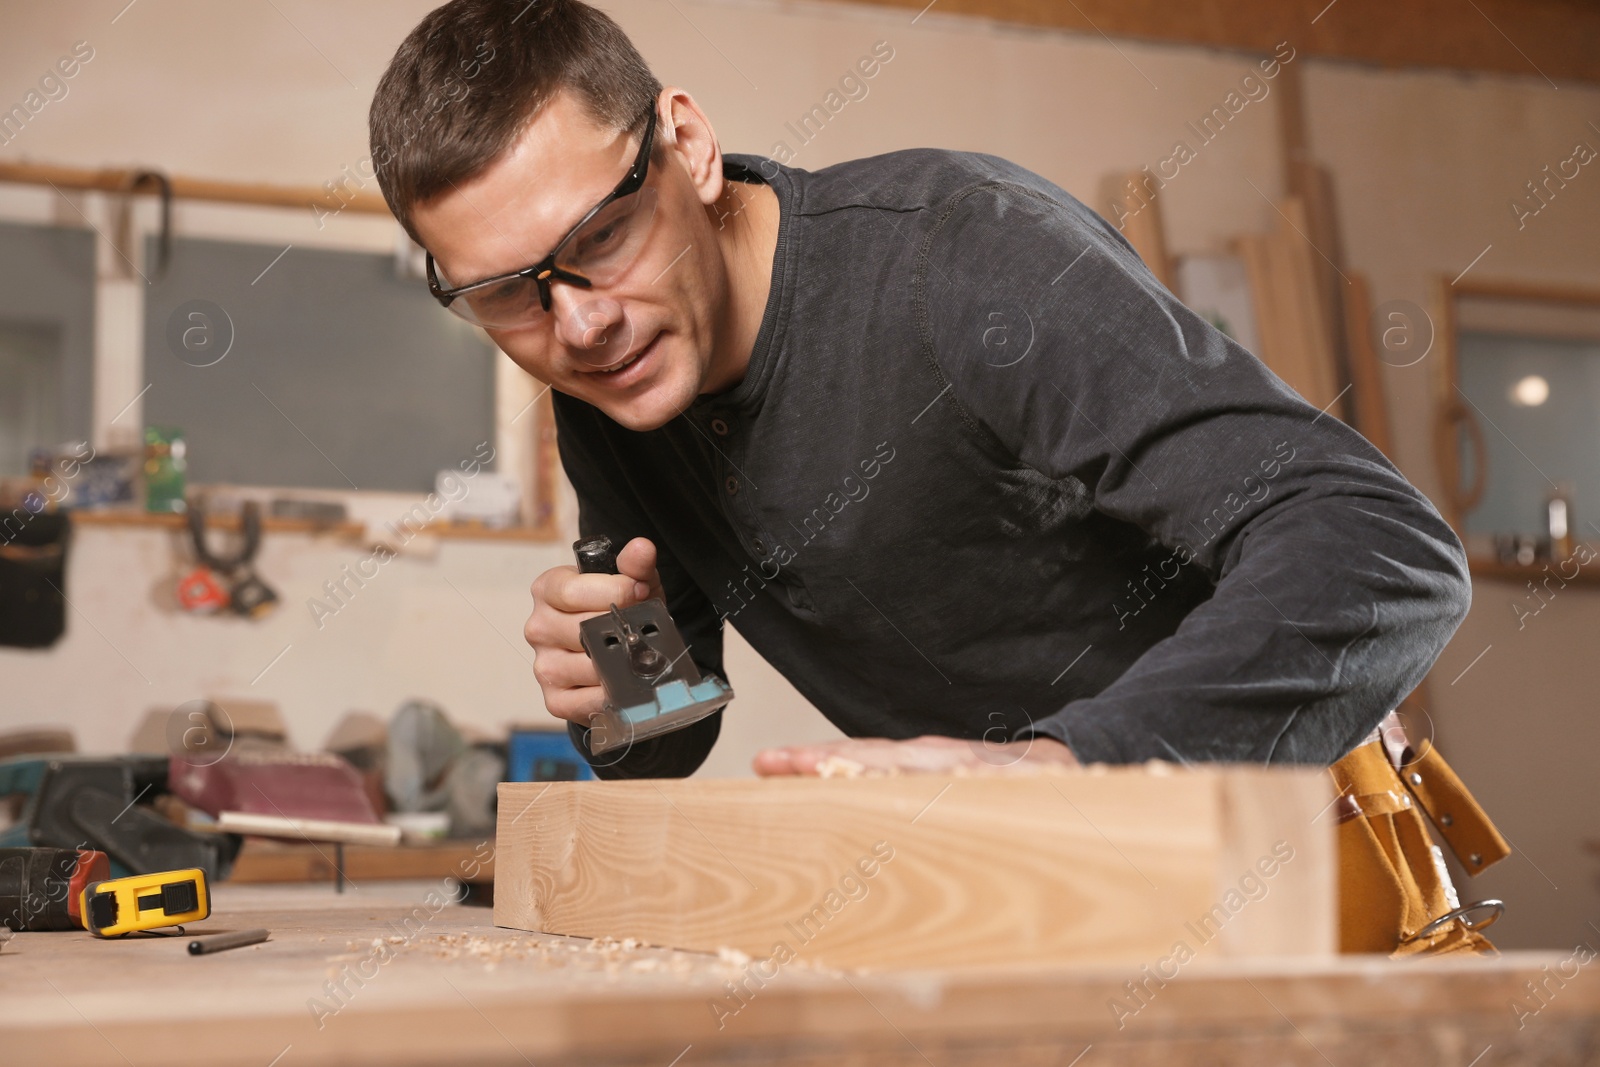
652,685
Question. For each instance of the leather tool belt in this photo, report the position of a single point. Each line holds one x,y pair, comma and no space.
1395,892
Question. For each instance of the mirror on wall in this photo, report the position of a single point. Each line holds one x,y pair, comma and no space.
1521,451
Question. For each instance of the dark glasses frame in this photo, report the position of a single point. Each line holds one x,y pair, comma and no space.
544,270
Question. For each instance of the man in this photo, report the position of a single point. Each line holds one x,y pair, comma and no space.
922,426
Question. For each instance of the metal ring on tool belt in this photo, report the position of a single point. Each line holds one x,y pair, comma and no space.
1496,908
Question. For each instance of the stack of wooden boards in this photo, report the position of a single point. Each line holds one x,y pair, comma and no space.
1129,865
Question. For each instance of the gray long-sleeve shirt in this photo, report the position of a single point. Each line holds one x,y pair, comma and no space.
986,478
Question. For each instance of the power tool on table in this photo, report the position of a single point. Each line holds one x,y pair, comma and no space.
652,685
42,888
71,889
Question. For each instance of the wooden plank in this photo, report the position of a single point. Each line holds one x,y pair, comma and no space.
1369,406
1293,136
1294,337
1115,865
1132,203
1312,184
263,861
1547,40
388,975
355,833
1264,811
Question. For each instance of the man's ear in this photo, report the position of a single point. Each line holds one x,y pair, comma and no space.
686,133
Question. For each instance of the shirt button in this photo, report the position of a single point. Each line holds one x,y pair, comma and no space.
719,427
733,485
759,546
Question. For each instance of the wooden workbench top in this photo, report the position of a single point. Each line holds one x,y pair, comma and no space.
392,974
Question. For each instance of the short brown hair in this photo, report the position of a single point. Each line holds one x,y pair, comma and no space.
467,80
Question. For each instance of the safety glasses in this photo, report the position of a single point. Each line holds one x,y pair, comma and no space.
597,251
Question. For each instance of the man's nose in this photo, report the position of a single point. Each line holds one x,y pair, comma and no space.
591,326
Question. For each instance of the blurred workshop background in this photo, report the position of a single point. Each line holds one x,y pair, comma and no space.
202,298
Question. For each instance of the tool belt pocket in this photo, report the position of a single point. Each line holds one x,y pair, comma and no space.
33,563
1395,892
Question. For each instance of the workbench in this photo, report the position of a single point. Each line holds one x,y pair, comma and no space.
392,974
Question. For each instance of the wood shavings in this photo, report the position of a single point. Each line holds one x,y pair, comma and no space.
605,956
991,761
839,767
733,956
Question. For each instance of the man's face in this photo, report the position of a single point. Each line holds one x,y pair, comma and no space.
639,348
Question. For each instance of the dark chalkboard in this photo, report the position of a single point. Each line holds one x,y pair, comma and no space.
46,339
318,369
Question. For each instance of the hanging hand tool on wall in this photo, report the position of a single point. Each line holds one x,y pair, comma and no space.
226,580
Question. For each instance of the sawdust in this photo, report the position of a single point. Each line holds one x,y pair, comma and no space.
842,767
607,957
604,955
733,957
839,767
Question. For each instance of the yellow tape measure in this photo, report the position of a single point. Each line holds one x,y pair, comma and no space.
120,906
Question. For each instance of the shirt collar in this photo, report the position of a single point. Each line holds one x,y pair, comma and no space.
746,396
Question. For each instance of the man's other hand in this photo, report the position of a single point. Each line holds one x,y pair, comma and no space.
920,755
563,598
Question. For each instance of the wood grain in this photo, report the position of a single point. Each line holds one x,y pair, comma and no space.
455,990
916,871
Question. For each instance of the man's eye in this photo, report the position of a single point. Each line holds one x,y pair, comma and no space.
509,293
602,238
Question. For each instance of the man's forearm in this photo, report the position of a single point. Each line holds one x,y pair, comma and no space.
1333,612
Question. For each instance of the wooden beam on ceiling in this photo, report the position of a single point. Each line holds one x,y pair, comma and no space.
1552,40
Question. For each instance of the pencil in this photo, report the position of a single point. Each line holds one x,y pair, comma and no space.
217,942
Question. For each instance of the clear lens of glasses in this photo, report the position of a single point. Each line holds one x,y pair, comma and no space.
601,250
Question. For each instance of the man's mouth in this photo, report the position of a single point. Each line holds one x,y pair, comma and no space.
629,370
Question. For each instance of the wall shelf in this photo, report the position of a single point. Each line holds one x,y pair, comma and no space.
1490,568
465,531
170,521
477,531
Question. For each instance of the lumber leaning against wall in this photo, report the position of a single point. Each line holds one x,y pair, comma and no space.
1115,865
